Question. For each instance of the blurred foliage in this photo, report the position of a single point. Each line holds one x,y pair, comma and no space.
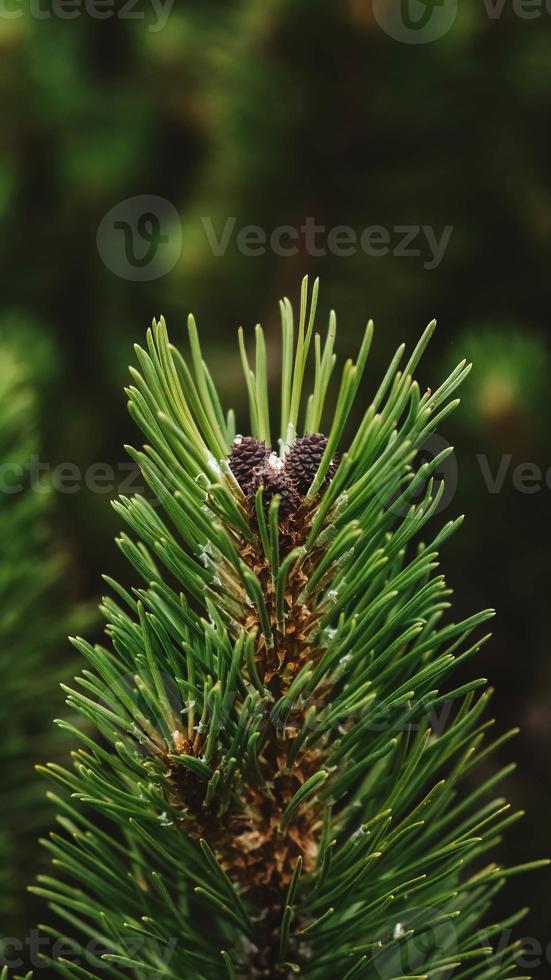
510,402
35,615
272,111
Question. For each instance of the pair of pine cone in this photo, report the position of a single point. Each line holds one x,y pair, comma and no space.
254,465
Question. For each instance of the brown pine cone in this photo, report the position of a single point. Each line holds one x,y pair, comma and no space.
247,455
303,460
276,481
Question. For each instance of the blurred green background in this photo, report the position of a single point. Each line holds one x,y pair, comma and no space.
267,113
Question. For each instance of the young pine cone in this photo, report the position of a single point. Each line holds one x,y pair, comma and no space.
247,455
303,460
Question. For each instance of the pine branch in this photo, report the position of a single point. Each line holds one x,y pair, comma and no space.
268,794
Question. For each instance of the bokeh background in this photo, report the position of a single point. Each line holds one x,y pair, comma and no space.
265,113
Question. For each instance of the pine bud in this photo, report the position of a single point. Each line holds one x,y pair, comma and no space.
247,455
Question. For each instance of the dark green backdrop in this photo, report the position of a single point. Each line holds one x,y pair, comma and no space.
269,112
